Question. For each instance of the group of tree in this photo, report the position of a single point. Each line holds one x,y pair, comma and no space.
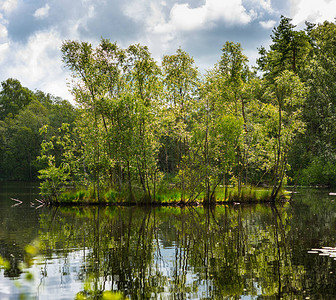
310,54
142,126
22,114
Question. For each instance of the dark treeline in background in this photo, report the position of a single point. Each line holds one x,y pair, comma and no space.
22,114
139,127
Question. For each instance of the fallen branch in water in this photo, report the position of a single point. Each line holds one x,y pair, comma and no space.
17,200
42,203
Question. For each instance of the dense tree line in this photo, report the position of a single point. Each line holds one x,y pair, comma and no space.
309,53
22,114
142,127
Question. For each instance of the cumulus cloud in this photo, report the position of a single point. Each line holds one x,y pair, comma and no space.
3,32
42,12
76,25
312,11
267,24
185,18
266,4
31,32
37,63
4,47
8,5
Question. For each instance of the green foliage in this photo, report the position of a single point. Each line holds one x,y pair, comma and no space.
23,114
53,180
108,295
139,124
180,84
319,171
21,142
309,53
288,95
246,194
289,50
66,171
117,91
319,110
111,196
13,98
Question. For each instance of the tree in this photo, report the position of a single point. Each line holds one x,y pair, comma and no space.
21,142
235,76
79,57
217,131
143,86
319,155
62,157
23,113
289,50
287,94
181,82
117,91
13,98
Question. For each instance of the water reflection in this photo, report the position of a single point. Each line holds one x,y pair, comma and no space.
233,252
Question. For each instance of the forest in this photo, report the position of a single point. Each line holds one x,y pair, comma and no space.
140,129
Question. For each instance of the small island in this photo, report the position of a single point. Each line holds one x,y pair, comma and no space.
149,133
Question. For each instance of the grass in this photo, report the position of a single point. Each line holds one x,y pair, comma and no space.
249,194
169,196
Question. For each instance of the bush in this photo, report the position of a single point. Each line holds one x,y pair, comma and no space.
319,172
111,196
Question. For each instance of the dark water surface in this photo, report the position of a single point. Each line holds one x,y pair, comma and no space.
230,252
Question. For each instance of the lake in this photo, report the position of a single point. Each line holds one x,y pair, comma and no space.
229,252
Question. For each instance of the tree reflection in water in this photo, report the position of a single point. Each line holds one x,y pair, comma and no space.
222,252
188,253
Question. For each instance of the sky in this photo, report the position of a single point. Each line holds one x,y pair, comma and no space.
32,31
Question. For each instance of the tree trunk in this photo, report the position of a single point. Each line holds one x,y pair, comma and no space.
277,180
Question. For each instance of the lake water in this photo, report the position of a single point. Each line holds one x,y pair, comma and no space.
230,252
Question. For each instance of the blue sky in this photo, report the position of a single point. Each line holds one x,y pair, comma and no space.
32,31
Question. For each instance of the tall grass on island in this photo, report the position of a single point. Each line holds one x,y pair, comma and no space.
171,196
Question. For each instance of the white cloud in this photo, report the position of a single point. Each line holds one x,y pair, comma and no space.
73,25
150,14
3,32
3,51
37,64
8,5
265,4
91,11
42,12
184,18
33,56
312,11
267,24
